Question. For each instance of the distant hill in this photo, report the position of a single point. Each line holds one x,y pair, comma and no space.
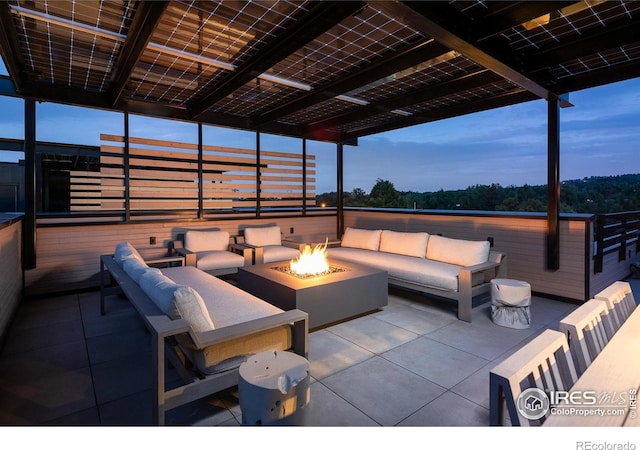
588,195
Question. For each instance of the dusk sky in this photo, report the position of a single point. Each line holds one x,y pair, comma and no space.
599,137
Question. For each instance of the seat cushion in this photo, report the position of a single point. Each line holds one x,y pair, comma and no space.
361,238
200,241
279,253
457,251
402,243
218,259
262,236
227,305
422,271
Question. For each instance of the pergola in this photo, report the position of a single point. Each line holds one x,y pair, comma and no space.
331,71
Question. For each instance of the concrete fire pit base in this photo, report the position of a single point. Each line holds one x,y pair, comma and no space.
326,298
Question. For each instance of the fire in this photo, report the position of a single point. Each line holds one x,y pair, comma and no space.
311,261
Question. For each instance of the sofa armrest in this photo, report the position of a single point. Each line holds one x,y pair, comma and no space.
189,256
293,244
299,319
244,250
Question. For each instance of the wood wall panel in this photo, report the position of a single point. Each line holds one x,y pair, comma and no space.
171,168
11,273
68,256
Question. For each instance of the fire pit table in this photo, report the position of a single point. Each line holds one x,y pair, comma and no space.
345,291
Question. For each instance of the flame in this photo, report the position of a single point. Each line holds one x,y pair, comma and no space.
311,261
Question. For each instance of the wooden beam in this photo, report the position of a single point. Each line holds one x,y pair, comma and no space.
321,17
408,15
553,184
144,23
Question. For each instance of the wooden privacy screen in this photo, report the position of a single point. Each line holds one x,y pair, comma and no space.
163,175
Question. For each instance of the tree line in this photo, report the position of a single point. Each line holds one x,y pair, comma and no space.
593,195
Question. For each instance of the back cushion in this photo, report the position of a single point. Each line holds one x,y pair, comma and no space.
202,241
191,307
360,238
160,290
135,268
125,250
457,251
400,243
262,236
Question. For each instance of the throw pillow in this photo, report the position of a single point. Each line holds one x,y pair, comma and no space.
135,268
160,289
403,243
457,251
191,307
202,241
360,238
263,236
125,250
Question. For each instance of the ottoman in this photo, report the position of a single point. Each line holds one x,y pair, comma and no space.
510,302
274,389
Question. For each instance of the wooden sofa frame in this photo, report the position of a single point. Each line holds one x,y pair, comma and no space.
466,291
162,329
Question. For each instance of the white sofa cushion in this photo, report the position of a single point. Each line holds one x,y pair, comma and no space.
218,259
160,290
421,271
135,268
200,241
125,250
361,238
191,307
457,251
403,243
262,236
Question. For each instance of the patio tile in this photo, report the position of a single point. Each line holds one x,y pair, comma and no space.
419,321
121,377
326,408
117,345
53,361
330,353
372,334
482,337
437,362
27,339
476,386
46,399
86,417
382,390
449,410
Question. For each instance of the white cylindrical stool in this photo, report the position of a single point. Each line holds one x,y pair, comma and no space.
274,389
510,302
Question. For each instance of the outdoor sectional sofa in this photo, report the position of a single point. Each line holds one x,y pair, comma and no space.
204,326
457,269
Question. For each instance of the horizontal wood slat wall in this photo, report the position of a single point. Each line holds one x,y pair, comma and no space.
68,256
522,239
163,175
11,273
